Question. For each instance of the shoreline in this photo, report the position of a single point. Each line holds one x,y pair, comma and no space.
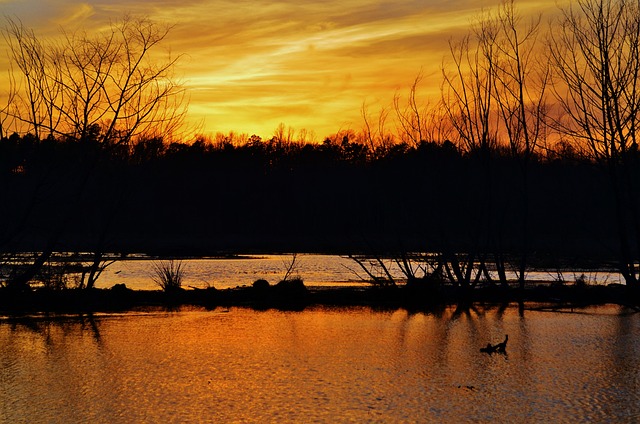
297,297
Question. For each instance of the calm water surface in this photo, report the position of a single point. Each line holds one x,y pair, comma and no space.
243,271
322,365
315,270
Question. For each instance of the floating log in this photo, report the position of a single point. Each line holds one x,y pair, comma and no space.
497,348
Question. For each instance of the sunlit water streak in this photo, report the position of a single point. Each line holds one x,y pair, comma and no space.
315,270
322,365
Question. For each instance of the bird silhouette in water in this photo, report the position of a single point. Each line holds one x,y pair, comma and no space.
496,348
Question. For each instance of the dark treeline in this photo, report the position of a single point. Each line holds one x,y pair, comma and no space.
336,196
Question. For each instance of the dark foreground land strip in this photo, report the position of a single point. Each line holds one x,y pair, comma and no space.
298,297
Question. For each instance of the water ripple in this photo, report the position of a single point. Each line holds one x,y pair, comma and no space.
323,365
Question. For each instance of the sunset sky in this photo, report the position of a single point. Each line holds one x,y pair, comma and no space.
250,65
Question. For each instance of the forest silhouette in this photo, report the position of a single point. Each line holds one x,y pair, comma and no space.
337,197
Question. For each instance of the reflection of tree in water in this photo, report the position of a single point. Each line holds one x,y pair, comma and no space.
625,349
467,309
451,336
68,326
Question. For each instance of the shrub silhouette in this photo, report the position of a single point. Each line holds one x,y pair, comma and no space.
169,274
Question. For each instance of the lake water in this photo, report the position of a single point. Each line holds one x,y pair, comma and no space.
322,365
315,270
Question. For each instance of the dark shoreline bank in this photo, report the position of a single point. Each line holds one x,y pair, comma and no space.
298,297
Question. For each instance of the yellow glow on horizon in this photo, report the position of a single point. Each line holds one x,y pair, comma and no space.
250,65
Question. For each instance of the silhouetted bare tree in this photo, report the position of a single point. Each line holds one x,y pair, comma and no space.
7,101
374,134
420,121
596,57
107,88
494,93
521,98
468,97
468,87
522,77
110,85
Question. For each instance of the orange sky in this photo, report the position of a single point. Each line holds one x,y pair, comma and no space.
250,65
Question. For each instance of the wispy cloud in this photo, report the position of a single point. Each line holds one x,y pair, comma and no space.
251,64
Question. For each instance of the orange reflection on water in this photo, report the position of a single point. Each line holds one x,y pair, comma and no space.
323,365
